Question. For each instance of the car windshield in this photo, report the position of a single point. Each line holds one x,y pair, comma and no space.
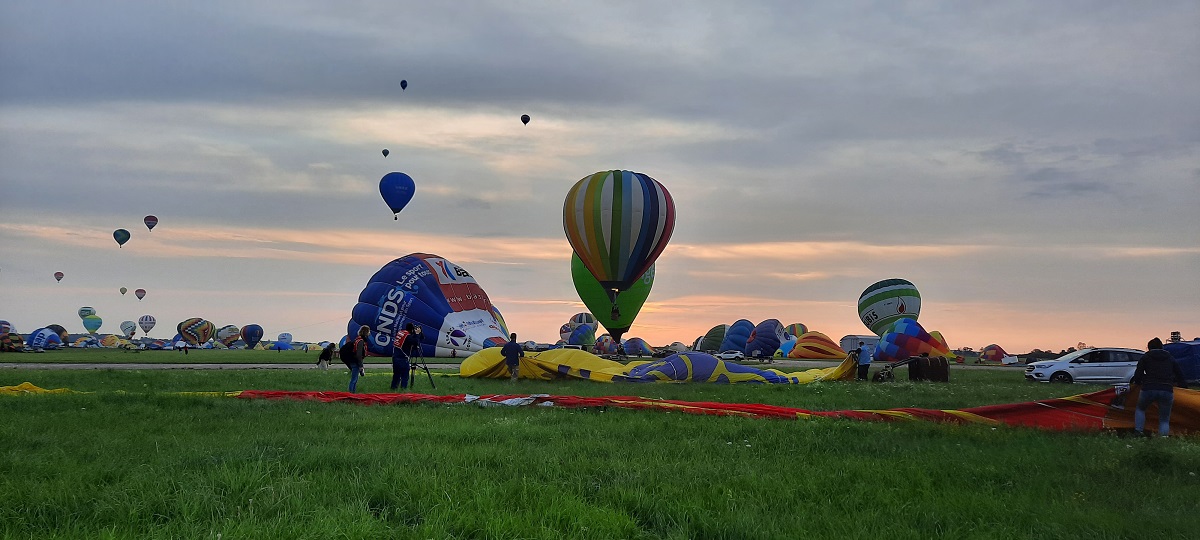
1072,355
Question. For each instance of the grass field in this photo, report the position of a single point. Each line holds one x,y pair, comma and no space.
145,463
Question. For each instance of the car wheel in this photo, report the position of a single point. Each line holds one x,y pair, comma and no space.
1061,377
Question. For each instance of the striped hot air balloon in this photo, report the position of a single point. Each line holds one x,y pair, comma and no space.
618,222
888,301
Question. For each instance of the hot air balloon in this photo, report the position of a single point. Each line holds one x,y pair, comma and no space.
123,291
907,338
92,323
564,331
440,297
6,327
228,335
284,338
888,301
816,346
765,339
991,353
128,328
121,236
252,334
583,335
595,297
385,152
146,322
795,329
397,189
525,119
58,329
140,293
711,341
403,84
43,338
85,311
618,222
196,331
58,276
636,346
150,222
737,335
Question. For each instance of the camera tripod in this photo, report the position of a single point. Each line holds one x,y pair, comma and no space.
416,362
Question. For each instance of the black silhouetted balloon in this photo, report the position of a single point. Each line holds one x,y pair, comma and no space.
525,119
385,152
404,84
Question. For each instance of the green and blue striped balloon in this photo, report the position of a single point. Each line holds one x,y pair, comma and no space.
888,301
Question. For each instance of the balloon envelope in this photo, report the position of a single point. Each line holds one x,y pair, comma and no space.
140,293
85,311
252,334
128,328
992,353
123,291
146,322
92,323
525,119
737,335
583,335
150,222
888,301
121,236
443,299
765,338
597,300
397,189
795,329
196,331
58,329
713,338
618,222
43,338
284,338
58,276
385,152
636,346
907,338
228,335
403,84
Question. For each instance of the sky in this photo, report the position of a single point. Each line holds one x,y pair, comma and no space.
1032,167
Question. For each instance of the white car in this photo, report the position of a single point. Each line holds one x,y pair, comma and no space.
730,355
1101,366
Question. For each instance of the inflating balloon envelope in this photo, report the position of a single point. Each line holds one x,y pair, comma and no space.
443,299
597,300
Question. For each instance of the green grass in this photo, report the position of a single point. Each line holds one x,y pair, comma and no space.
149,464
194,356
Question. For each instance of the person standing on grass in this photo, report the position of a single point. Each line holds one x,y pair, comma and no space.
326,356
512,352
403,343
358,356
1157,373
863,356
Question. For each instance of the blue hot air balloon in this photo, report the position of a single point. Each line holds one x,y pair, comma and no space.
583,335
736,336
441,298
765,338
397,189
252,334
43,338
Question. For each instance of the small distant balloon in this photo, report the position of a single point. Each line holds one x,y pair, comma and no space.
86,311
397,189
123,291
404,84
121,236
140,293
385,152
525,119
58,276
150,221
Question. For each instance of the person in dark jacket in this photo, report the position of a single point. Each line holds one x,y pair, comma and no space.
355,364
512,353
403,346
1157,373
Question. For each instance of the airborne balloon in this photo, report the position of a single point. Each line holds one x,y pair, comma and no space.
385,152
618,222
92,323
128,328
85,311
403,84
123,291
146,322
397,189
150,222
121,236
284,338
140,293
525,119
888,301
58,276
440,297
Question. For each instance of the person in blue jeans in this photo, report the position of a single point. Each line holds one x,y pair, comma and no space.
1157,374
360,354
512,353
404,344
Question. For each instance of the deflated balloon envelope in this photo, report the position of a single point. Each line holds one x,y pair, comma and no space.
443,299
43,338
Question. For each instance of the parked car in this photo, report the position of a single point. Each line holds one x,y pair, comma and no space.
1101,365
730,355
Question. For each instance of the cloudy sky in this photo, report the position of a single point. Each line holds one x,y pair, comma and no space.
1033,167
